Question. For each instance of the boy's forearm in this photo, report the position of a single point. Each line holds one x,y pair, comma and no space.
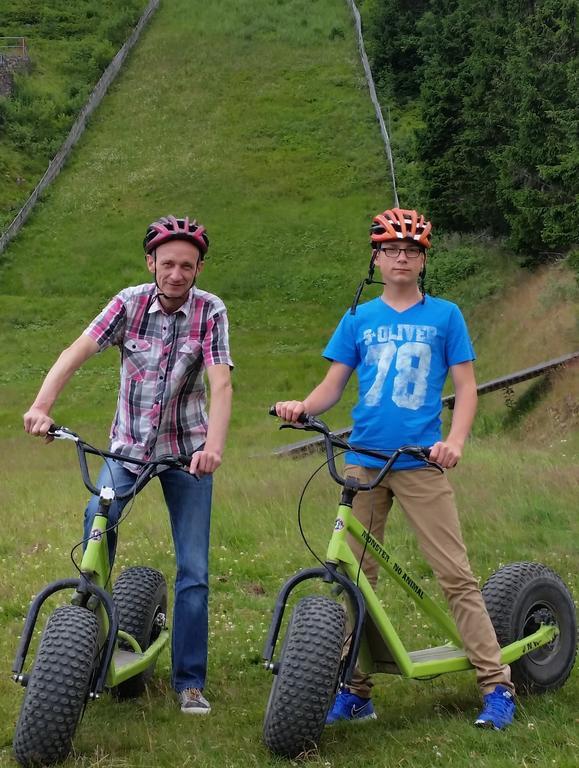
321,399
463,415
329,391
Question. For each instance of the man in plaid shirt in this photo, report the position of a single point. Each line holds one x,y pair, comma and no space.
168,332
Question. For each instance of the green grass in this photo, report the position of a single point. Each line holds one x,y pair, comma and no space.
512,509
253,116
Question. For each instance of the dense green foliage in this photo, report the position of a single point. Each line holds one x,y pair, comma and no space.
70,45
495,147
393,43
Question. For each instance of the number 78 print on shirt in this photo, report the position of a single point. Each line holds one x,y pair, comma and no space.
402,361
412,362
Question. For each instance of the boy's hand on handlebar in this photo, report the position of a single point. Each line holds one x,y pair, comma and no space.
37,423
204,463
290,410
447,453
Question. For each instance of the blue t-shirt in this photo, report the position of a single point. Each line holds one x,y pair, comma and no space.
402,360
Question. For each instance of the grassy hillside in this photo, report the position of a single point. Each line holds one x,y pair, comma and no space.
534,320
281,162
254,117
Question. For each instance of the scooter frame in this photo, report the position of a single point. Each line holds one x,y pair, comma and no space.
93,587
375,644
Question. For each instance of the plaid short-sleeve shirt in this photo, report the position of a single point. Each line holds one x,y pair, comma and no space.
162,399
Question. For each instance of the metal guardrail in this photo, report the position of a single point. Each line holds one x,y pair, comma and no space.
373,95
313,444
93,101
18,48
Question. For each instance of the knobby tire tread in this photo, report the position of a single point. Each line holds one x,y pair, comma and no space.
505,594
58,687
137,593
304,687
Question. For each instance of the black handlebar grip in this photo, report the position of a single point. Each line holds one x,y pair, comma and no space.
303,418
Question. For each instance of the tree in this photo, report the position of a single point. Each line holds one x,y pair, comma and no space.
538,164
497,86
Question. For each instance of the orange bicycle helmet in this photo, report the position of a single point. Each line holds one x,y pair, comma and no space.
399,224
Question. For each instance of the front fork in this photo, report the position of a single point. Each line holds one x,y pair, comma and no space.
329,574
95,563
81,585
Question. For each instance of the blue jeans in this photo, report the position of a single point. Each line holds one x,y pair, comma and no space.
189,503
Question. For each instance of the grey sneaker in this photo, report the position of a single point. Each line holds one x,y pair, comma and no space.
193,702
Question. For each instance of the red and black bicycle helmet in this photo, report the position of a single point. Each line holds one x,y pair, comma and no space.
171,228
400,224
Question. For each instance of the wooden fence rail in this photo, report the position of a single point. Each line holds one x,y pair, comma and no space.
505,382
16,46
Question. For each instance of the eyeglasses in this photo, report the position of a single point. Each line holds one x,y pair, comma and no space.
393,251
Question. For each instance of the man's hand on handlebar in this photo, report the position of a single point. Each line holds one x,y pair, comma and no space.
37,422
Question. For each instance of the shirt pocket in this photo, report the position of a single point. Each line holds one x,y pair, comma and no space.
189,358
136,355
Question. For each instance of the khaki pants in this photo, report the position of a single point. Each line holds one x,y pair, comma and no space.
427,500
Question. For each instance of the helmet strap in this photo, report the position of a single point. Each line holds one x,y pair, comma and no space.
421,282
366,281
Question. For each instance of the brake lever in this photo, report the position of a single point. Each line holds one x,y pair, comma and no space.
62,433
301,428
181,463
431,463
422,453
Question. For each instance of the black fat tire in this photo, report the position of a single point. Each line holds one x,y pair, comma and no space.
518,597
307,677
58,687
140,594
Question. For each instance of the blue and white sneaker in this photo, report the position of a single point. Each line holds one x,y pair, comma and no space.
348,706
498,709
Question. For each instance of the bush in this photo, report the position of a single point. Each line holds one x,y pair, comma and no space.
573,263
497,92
4,111
465,270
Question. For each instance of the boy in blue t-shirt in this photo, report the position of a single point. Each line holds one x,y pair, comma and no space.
402,346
